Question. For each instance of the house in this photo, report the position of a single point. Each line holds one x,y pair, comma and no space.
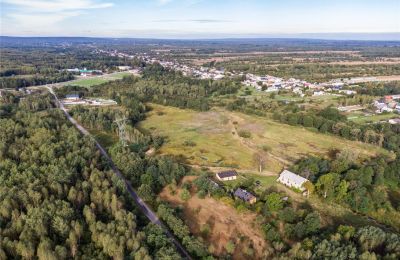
123,68
245,196
74,96
348,92
394,121
292,180
319,93
227,175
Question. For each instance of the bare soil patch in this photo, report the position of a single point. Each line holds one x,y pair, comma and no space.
224,222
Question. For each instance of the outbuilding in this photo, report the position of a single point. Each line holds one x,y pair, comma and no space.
292,180
227,175
74,96
245,196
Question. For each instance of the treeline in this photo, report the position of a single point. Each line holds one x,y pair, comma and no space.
59,200
379,89
181,231
366,187
34,80
166,87
314,72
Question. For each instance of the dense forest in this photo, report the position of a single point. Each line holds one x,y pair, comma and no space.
60,199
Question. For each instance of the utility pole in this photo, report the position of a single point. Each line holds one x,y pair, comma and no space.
121,122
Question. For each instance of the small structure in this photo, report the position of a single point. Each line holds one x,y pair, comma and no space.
394,121
227,175
124,68
292,180
245,196
74,96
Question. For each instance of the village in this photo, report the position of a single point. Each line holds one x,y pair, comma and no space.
266,83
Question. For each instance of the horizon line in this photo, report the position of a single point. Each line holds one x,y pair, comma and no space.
337,36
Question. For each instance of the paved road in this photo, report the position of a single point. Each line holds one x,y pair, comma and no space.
139,202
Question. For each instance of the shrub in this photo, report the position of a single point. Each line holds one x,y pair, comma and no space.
244,134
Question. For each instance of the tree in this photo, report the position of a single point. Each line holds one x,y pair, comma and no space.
185,195
260,159
274,201
230,247
326,185
309,186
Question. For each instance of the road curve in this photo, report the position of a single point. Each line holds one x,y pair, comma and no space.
139,202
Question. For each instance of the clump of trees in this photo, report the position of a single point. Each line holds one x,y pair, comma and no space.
366,187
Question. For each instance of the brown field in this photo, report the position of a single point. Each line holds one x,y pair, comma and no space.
225,223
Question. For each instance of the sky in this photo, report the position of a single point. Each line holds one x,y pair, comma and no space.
198,18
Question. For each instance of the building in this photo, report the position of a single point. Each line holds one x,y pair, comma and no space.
123,68
292,180
227,175
74,96
394,121
85,72
245,196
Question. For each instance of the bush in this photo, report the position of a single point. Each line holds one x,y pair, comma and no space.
185,195
189,143
230,247
244,134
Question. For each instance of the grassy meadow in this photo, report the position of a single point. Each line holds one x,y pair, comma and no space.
211,139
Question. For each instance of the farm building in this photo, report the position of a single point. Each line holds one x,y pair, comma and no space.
245,196
72,96
227,175
293,180
123,68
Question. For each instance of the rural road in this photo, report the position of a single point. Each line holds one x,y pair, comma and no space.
139,202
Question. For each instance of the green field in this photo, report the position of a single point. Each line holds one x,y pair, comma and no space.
361,118
89,82
211,139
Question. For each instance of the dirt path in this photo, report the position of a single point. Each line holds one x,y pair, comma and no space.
241,170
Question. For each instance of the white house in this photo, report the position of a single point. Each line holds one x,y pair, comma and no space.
123,68
291,179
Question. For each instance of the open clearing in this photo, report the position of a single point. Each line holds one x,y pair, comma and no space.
97,80
224,222
359,117
211,139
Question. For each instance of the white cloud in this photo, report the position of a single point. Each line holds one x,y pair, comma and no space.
36,13
187,2
56,5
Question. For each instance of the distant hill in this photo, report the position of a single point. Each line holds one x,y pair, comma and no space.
302,41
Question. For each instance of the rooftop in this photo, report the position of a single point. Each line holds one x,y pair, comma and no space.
227,174
294,178
243,194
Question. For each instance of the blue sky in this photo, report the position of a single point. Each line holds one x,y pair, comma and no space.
196,18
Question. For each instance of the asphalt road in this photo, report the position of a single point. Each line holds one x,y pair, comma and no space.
139,202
